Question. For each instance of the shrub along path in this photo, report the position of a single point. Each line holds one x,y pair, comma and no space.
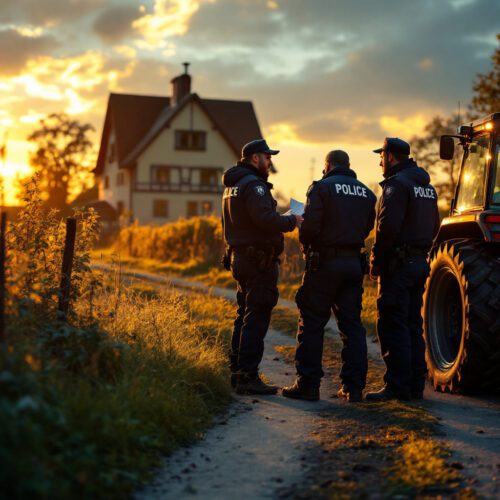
267,447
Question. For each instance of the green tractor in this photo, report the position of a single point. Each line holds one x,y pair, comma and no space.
461,309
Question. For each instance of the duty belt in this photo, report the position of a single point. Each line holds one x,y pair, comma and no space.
340,252
250,250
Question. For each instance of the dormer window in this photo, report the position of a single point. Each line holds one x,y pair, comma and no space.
191,140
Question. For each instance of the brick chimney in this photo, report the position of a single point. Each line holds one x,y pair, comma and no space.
181,85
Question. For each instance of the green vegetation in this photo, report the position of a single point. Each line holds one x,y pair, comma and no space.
88,406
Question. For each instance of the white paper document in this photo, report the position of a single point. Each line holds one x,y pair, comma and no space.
296,208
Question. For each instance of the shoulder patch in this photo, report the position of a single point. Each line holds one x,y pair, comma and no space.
389,191
260,190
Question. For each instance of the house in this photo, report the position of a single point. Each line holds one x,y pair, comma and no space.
162,158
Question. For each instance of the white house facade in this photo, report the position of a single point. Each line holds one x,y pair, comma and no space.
162,158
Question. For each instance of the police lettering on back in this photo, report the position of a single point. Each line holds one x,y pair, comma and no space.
351,190
231,192
424,192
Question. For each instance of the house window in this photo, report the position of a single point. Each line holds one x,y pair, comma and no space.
106,182
208,177
120,178
161,175
160,208
191,140
120,207
192,209
206,208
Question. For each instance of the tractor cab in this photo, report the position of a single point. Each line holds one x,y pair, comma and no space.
475,208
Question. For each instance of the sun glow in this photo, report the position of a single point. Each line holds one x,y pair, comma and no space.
11,175
13,168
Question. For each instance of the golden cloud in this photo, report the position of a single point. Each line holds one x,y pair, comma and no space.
27,31
404,128
169,18
62,79
282,132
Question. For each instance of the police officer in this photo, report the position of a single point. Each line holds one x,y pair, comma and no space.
407,222
339,214
254,240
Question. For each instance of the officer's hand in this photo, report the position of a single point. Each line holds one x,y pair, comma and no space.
374,273
299,220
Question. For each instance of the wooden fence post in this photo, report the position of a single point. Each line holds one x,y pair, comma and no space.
3,224
66,268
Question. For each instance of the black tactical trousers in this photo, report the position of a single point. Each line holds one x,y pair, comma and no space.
337,286
399,324
257,294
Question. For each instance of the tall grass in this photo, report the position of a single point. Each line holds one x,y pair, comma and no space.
88,406
176,248
193,247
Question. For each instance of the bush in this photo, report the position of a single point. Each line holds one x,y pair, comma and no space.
187,240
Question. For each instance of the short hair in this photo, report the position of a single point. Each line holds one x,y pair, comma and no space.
338,157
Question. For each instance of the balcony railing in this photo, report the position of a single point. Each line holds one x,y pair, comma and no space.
163,187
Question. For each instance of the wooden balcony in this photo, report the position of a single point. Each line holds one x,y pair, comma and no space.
163,187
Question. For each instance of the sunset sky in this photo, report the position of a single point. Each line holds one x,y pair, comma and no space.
322,74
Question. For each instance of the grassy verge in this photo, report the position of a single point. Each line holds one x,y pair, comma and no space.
216,276
86,411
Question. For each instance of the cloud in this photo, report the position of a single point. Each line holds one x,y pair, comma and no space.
76,85
115,24
314,70
47,12
169,18
358,73
16,49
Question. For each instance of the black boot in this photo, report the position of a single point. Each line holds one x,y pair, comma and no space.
387,394
298,391
354,396
253,384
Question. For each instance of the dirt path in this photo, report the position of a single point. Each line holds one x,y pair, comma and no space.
255,449
472,431
269,447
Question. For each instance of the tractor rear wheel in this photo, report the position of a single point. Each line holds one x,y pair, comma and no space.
461,317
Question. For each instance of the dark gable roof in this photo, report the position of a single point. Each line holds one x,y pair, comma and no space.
131,117
139,119
236,120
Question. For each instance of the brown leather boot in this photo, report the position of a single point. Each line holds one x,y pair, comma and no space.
298,391
253,384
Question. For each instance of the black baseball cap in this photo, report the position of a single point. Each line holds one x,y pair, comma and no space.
394,145
257,146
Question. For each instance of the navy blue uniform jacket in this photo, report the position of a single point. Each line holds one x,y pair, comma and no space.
407,213
340,211
249,215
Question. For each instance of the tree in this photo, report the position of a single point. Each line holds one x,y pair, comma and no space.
426,154
63,157
486,99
